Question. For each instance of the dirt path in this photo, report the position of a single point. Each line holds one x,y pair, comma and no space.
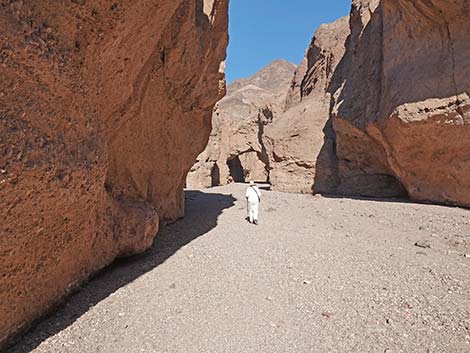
317,275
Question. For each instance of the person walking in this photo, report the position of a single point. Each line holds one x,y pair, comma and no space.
253,199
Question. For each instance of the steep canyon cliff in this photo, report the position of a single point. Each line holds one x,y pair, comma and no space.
104,106
401,108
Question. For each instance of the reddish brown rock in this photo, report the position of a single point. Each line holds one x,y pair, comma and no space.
300,155
399,101
402,107
236,150
104,107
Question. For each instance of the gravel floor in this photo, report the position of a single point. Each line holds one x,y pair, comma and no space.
317,275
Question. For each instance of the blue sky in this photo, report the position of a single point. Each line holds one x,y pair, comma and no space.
265,30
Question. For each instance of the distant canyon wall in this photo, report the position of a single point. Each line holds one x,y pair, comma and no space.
236,150
104,107
300,154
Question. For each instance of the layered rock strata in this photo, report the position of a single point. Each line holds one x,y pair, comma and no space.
104,107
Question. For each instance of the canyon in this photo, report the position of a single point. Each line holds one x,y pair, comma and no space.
379,107
109,109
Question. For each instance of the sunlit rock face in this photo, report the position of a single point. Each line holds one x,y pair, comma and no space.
299,153
401,109
236,150
379,106
104,107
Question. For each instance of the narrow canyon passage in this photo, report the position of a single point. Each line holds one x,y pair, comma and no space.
110,109
317,275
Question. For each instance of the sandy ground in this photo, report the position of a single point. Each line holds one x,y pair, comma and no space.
317,275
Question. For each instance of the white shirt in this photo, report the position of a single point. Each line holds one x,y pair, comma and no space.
253,194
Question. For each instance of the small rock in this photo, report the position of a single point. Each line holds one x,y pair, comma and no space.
327,314
269,298
423,244
306,282
466,256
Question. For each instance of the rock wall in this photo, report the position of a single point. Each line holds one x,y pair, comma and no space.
381,109
401,111
104,107
236,150
299,153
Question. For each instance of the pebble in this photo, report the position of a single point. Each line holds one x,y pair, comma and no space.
423,244
327,314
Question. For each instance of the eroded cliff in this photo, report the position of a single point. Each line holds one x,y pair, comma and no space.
104,107
299,141
402,110
382,109
236,150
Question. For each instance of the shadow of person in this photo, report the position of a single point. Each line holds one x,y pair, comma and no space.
202,212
